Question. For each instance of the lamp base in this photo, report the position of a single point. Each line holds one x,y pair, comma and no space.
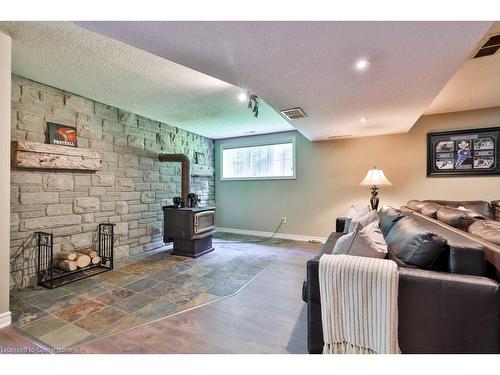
374,198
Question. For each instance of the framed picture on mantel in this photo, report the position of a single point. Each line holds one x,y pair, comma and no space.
62,135
469,152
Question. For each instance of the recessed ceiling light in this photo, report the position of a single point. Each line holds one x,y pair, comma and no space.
363,119
242,97
362,65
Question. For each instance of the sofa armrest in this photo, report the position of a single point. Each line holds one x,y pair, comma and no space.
495,206
314,325
447,313
340,224
467,261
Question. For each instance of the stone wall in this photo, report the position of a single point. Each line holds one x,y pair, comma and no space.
129,191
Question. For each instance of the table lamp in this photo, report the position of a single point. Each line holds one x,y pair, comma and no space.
375,178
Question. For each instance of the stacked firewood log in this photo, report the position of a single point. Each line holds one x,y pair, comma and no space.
72,260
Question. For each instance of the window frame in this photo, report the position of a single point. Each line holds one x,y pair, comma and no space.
254,143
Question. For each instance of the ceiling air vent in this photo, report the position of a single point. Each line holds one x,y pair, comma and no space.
293,113
489,48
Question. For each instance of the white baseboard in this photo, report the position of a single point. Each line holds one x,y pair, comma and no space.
285,236
5,319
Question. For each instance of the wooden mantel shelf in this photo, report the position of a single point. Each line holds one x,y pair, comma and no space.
45,156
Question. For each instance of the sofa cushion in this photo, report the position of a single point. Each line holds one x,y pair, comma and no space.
412,243
488,230
415,205
430,209
363,241
458,218
388,216
481,207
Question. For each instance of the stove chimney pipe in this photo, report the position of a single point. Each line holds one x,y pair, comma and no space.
186,172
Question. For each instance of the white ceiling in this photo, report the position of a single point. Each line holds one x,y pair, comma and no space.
475,85
310,64
77,60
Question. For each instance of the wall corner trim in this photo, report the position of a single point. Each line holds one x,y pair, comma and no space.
285,236
5,319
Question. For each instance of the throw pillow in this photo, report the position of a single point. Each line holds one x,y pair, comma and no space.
388,216
364,220
366,242
354,213
414,244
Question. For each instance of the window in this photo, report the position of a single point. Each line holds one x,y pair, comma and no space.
259,161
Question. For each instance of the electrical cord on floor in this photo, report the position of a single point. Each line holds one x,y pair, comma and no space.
258,241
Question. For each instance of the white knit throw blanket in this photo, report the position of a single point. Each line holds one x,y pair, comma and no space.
359,308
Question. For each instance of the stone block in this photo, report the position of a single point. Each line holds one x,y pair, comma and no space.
39,198
64,115
26,178
148,197
121,252
120,139
105,144
112,127
32,214
142,186
67,230
82,180
135,173
127,118
91,128
121,229
35,137
151,176
124,184
88,218
58,182
108,206
146,161
77,241
51,222
59,209
132,209
103,179
97,191
121,208
106,112
79,104
134,250
15,92
129,195
85,205
155,207
133,233
14,222
148,124
135,142
31,121
128,161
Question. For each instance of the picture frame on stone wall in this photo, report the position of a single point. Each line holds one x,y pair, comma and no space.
62,135
200,158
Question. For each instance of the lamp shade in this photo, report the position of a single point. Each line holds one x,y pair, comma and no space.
375,177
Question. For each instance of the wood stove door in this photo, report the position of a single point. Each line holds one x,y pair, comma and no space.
204,221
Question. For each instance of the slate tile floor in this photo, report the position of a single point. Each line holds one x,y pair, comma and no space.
141,289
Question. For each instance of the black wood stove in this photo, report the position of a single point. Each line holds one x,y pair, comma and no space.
188,226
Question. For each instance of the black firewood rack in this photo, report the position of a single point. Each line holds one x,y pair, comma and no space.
51,277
